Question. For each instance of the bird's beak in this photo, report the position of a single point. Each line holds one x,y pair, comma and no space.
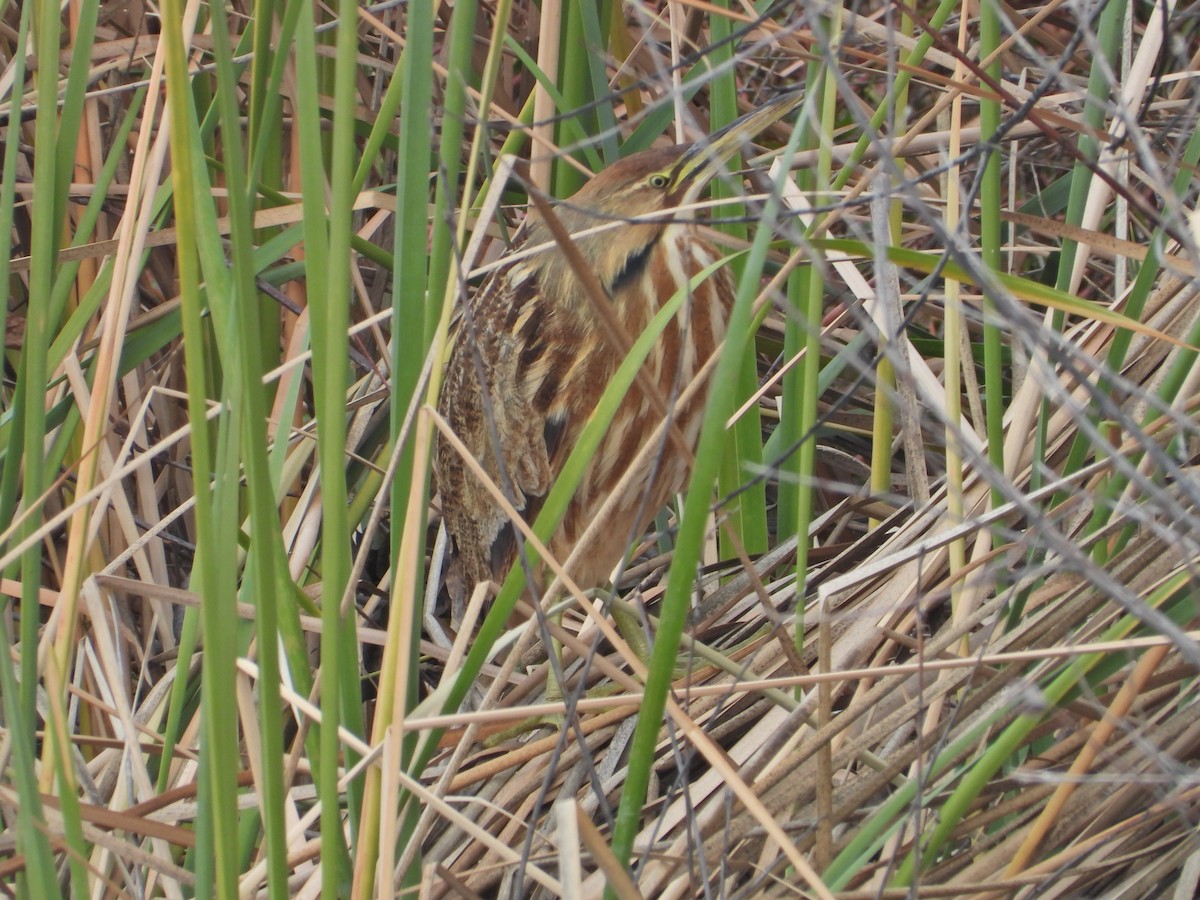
707,158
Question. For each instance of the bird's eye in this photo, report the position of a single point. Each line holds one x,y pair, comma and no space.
658,180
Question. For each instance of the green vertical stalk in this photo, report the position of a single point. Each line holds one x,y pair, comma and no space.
990,205
268,133
1108,37
260,101
747,515
267,574
575,82
895,107
883,428
422,286
74,95
410,300
31,839
330,307
439,276
45,229
410,306
811,315
32,843
601,30
308,123
215,860
794,341
461,39
46,224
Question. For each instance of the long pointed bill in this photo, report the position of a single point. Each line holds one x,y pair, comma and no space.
705,159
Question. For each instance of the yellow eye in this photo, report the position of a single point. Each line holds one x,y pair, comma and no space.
658,180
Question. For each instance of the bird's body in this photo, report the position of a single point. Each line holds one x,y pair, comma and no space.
533,355
535,337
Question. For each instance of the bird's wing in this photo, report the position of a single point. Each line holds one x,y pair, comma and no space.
506,339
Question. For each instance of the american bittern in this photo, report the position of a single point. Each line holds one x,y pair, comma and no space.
534,336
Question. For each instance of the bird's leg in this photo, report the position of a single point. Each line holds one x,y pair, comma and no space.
554,653
629,623
553,691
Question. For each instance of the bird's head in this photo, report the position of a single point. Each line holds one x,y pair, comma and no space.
627,204
616,217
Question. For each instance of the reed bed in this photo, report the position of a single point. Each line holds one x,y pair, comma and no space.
938,598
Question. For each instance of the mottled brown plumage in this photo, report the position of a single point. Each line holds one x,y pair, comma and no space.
546,362
533,335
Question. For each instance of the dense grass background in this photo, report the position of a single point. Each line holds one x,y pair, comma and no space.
963,371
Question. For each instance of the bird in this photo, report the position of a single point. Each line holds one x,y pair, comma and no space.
532,355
